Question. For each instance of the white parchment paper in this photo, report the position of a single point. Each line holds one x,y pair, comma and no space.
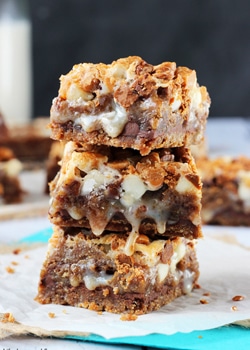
224,258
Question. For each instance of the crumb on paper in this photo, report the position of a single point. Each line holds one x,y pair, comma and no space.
238,298
8,317
200,336
10,269
128,317
99,312
26,257
15,263
197,286
17,251
204,301
206,294
51,314
234,308
64,311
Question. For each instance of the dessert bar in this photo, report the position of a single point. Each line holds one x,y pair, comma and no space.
112,273
30,143
130,104
108,188
226,190
10,187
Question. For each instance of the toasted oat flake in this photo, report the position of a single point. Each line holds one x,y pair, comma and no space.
238,298
204,301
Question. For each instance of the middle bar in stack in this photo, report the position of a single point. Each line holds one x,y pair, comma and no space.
125,204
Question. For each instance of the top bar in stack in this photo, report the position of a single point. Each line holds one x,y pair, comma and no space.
130,104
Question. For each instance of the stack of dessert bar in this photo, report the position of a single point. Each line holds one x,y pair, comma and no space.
126,202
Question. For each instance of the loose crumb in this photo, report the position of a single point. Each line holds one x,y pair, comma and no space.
51,314
10,269
197,286
15,263
200,336
17,251
204,301
64,311
99,312
207,294
238,298
26,257
234,308
8,317
128,317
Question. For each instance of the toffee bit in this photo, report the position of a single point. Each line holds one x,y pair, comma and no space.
204,301
234,308
17,251
238,298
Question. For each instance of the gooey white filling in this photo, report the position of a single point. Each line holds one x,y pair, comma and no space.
130,192
111,122
147,255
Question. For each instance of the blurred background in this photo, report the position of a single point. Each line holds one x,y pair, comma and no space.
212,37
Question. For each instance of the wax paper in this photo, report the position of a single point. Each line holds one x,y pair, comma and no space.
224,257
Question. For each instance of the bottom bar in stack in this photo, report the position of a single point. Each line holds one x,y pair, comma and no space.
113,273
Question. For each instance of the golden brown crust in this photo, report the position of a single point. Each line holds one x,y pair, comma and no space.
130,104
